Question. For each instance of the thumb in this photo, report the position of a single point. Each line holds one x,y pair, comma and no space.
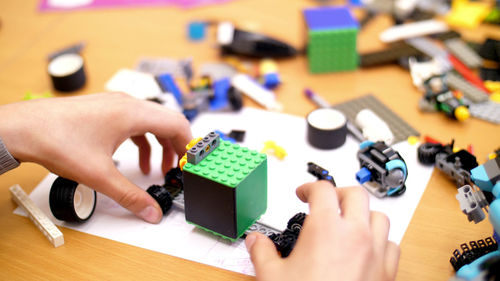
128,195
262,250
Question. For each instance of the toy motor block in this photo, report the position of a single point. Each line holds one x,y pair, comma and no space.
225,186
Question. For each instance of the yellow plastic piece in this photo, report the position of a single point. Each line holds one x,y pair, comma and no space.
267,66
467,14
183,160
413,140
32,96
495,97
492,86
271,148
237,64
462,113
492,156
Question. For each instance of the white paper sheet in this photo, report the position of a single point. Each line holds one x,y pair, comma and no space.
175,237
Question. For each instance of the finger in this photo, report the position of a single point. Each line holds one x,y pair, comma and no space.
379,224
110,182
168,155
262,251
144,153
164,124
320,195
354,203
392,253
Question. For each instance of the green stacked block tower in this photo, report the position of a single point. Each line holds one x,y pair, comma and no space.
332,33
225,186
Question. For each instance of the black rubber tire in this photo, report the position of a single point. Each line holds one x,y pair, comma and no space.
296,222
174,178
61,201
162,196
427,152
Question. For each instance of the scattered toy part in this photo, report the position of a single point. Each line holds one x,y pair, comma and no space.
71,201
271,148
240,42
472,203
67,72
255,91
373,127
320,173
383,171
326,128
285,241
47,227
399,127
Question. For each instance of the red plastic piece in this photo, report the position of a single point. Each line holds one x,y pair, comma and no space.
431,140
467,73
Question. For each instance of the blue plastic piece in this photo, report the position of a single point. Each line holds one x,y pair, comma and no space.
365,144
396,164
190,114
167,84
225,137
271,80
329,18
363,175
196,30
221,88
356,2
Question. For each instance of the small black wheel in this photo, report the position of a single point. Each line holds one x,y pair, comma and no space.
162,196
70,201
174,178
427,152
296,222
287,243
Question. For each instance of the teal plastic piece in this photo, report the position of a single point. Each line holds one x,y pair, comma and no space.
396,164
495,215
365,144
472,270
481,178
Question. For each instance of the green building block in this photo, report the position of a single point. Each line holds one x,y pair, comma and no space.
331,35
226,192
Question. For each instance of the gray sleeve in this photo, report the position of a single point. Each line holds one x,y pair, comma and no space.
7,162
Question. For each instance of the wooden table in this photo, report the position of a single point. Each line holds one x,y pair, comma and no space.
118,38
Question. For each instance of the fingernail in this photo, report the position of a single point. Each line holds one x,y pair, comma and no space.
150,214
249,241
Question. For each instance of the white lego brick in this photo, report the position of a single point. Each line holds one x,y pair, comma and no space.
410,30
43,223
135,83
256,92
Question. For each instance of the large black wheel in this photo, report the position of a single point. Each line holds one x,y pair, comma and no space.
427,152
70,201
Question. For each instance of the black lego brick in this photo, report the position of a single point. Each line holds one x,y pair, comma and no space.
210,205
